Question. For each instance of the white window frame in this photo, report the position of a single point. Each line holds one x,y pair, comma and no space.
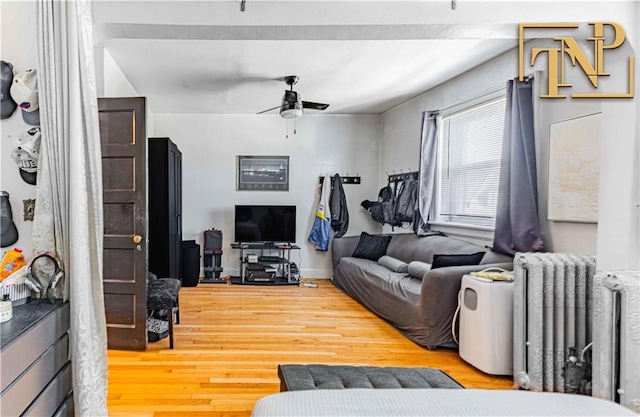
446,220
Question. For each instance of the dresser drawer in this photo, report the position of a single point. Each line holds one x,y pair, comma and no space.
35,376
17,397
66,409
21,352
52,396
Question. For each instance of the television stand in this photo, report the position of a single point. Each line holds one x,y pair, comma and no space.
271,264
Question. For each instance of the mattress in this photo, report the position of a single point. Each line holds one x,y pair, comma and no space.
433,402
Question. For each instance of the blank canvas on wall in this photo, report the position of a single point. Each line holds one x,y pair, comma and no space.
574,169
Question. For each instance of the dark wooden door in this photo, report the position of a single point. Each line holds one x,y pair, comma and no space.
123,137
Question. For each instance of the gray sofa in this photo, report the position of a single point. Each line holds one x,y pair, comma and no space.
421,309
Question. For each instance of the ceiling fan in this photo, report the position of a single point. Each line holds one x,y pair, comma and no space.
292,105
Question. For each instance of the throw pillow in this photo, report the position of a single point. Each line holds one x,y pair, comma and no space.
371,247
396,265
440,261
417,269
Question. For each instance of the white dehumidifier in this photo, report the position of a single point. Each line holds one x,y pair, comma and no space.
486,324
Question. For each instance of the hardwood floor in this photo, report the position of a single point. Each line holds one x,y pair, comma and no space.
231,338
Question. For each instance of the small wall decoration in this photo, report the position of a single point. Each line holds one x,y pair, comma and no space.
29,208
574,169
262,173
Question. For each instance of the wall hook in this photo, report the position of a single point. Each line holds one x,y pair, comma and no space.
346,179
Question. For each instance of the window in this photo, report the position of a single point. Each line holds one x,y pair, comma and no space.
469,172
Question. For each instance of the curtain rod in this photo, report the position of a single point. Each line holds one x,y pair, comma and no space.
484,94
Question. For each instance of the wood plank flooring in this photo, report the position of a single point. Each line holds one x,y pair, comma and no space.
231,338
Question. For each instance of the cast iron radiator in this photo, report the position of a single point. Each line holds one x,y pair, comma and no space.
552,314
616,338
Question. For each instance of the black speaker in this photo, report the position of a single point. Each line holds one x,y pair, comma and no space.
190,263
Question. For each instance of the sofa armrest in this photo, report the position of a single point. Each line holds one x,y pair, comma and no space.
343,246
439,293
434,276
440,287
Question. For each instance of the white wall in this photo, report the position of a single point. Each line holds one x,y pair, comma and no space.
18,33
112,82
401,126
209,144
619,216
615,242
324,144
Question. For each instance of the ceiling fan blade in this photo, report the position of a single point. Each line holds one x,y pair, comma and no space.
268,110
314,106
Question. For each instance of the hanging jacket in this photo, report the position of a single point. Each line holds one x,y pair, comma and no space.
406,201
320,234
338,204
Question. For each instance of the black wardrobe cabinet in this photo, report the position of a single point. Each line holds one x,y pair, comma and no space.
165,208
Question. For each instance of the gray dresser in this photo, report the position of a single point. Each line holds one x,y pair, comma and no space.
35,376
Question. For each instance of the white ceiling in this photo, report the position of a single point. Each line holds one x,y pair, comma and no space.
358,56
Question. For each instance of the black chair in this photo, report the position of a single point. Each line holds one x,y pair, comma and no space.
162,294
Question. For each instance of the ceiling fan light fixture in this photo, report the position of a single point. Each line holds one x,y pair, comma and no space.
291,106
290,113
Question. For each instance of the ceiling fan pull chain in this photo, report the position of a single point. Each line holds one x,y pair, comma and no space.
295,126
286,132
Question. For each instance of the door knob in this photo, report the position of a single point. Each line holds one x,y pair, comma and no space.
137,238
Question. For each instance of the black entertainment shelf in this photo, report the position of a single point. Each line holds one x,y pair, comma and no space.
266,269
278,282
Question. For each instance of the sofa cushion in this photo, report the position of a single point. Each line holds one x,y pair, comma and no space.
409,247
440,261
417,269
396,265
370,274
371,247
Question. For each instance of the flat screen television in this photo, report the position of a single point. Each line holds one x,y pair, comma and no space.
266,223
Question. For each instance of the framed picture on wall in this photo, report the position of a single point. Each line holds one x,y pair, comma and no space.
262,173
574,169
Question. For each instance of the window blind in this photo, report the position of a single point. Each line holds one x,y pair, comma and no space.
471,148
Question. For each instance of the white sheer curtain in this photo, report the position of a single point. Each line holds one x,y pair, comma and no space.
68,214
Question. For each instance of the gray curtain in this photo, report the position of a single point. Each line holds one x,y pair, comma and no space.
428,171
517,226
68,215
